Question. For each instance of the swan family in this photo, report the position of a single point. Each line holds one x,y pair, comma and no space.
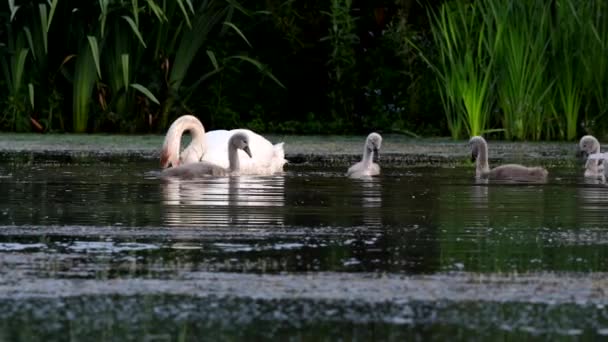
250,154
244,152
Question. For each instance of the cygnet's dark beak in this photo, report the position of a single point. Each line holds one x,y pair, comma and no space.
581,154
248,151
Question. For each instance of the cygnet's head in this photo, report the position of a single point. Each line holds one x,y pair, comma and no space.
373,142
241,141
475,144
587,146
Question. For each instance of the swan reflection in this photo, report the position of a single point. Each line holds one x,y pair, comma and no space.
224,201
371,202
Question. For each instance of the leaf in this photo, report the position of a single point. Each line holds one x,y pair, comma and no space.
201,80
181,6
260,67
19,69
189,3
30,42
50,17
103,5
31,92
13,8
83,84
43,21
213,59
234,27
135,29
158,12
125,69
146,92
135,12
95,52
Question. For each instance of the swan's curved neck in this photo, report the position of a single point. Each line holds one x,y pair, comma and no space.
482,158
172,144
233,157
368,156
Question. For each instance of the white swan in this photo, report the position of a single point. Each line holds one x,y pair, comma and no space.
238,141
366,167
590,147
515,172
213,147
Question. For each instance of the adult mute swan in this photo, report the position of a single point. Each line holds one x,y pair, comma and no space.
366,167
238,141
515,172
213,147
589,146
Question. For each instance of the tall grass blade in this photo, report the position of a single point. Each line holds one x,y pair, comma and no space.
238,31
95,53
146,92
185,13
103,17
44,23
30,88
133,26
83,84
30,41
51,14
125,69
260,68
13,8
213,59
19,69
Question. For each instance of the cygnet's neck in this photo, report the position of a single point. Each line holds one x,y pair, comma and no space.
482,158
233,158
368,156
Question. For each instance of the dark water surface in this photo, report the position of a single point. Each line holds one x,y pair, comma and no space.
107,251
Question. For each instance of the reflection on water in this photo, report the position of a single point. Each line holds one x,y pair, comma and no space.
118,223
224,201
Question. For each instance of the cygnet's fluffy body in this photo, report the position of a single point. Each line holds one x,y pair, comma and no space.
513,172
366,167
204,168
594,167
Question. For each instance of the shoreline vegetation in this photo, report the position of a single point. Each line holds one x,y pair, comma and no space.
505,69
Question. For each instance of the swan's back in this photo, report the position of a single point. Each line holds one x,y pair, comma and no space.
518,172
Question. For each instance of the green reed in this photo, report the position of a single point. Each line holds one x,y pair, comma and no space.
463,66
522,87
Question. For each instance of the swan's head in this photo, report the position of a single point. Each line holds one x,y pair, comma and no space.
587,146
475,143
241,141
168,158
373,142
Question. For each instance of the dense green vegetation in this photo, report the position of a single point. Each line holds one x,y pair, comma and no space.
531,69
519,70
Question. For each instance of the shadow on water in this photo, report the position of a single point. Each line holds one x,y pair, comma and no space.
116,223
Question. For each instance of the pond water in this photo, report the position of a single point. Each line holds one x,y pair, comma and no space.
109,250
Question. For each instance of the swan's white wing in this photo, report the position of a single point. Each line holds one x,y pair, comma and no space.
217,147
598,156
